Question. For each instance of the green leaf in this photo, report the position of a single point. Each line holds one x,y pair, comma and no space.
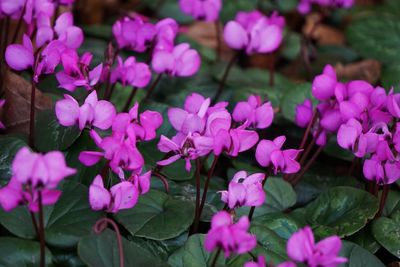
392,203
102,251
50,135
65,223
387,232
341,210
365,239
171,9
9,147
280,196
390,76
376,37
193,254
291,45
358,257
282,224
334,150
230,10
157,216
21,253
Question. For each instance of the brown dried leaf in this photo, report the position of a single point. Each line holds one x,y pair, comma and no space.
323,34
17,108
369,70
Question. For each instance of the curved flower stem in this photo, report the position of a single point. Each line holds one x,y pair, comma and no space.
197,214
214,261
206,184
218,39
163,180
110,59
384,196
128,102
309,148
224,78
297,178
253,208
153,86
101,225
41,231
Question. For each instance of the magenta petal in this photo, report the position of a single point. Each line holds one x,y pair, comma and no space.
67,111
18,57
242,111
104,114
163,62
169,160
323,87
89,158
264,116
188,64
271,37
125,196
235,35
177,117
99,197
50,197
11,195
301,244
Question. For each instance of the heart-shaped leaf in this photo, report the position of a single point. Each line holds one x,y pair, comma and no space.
157,216
387,232
9,146
358,257
21,253
102,251
341,210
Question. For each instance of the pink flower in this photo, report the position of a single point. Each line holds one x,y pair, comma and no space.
270,154
34,174
304,113
20,57
133,33
304,6
207,10
76,71
234,141
254,32
260,262
230,237
95,113
302,248
244,190
131,73
181,61
123,195
40,170
254,113
323,86
167,30
70,35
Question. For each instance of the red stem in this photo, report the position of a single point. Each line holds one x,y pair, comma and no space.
384,196
307,166
41,232
128,102
252,209
153,86
32,116
163,180
101,225
197,214
224,78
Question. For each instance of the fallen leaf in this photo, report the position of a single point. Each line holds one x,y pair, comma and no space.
369,70
18,100
323,34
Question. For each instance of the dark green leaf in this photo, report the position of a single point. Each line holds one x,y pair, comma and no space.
9,147
50,135
341,210
22,253
102,251
157,216
387,232
296,95
358,257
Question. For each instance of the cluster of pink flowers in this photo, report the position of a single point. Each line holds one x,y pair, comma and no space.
364,118
119,148
207,10
136,34
254,32
202,129
304,6
34,178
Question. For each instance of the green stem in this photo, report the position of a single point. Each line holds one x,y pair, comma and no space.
214,261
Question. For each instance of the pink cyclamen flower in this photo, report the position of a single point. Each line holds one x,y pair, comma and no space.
260,262
323,86
76,71
70,35
304,113
302,248
207,10
230,237
244,190
254,113
393,104
20,57
167,30
34,174
2,102
254,32
182,61
134,33
93,112
269,154
131,73
123,195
